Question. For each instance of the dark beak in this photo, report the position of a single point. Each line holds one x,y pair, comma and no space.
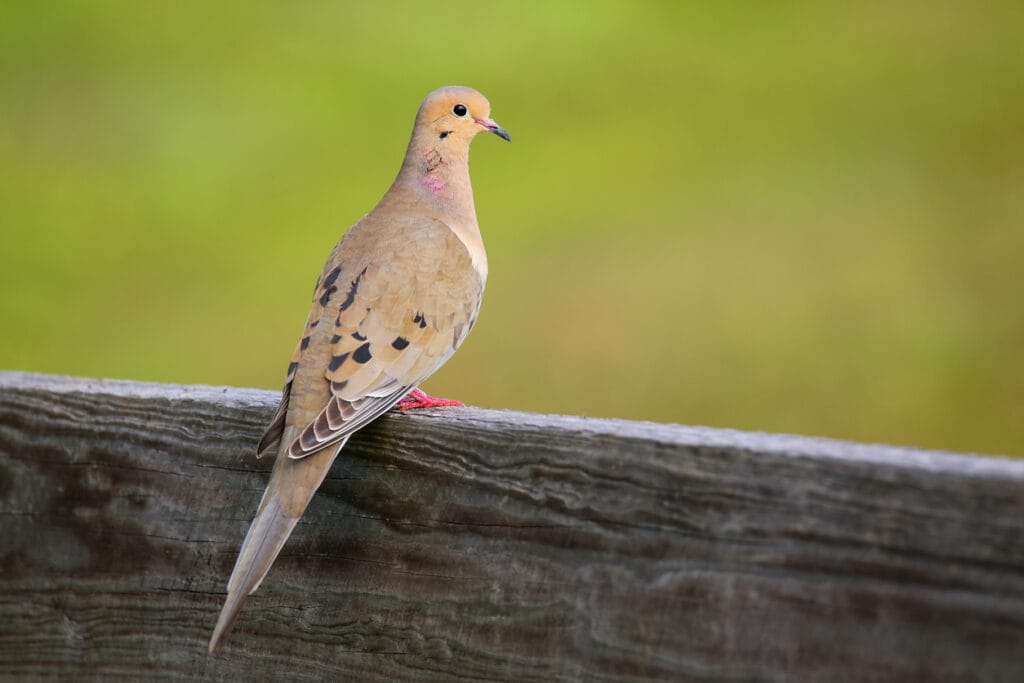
492,125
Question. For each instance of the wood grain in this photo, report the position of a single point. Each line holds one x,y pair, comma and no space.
468,544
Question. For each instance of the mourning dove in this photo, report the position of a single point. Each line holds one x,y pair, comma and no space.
398,295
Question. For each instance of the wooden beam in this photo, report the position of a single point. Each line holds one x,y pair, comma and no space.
469,544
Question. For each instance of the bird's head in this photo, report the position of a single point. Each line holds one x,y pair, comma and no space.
456,113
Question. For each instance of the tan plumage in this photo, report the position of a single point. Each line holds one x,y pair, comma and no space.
398,295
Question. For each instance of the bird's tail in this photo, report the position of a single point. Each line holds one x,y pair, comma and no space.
291,487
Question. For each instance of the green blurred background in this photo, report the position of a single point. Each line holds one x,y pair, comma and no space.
798,217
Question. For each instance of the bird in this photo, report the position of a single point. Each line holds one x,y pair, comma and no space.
399,293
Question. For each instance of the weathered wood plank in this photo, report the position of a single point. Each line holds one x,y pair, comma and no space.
481,545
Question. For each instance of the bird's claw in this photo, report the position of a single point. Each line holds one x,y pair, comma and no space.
421,399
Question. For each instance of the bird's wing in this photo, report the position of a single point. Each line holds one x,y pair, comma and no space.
387,325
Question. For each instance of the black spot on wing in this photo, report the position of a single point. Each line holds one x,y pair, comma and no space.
335,339
362,354
332,277
329,287
291,368
304,344
421,320
336,362
400,343
338,386
351,296
358,337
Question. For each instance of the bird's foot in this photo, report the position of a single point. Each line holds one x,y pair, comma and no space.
421,399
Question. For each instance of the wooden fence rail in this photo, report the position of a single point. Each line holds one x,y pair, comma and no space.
468,544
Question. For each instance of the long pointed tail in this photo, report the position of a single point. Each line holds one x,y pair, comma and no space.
291,487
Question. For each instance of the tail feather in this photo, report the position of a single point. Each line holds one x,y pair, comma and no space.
291,487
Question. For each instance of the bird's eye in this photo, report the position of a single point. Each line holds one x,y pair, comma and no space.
460,110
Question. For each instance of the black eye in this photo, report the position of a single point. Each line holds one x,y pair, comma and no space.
460,110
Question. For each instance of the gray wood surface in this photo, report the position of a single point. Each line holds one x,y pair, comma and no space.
468,544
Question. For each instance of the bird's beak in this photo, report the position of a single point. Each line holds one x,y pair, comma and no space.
492,125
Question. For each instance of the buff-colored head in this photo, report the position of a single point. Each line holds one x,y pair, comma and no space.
456,114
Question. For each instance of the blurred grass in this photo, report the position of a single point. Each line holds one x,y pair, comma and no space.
787,217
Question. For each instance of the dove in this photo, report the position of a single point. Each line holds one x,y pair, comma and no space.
399,293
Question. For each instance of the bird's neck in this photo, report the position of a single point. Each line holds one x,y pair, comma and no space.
434,179
437,173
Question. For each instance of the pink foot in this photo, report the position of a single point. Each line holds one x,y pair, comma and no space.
421,399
